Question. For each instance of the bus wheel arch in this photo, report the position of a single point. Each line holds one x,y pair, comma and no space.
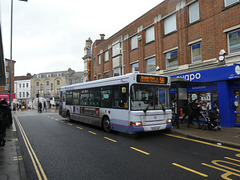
106,125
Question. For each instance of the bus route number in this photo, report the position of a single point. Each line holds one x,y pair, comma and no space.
151,79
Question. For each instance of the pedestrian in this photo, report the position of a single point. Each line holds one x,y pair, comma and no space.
5,120
40,107
195,112
44,106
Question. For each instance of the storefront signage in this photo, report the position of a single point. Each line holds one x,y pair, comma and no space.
152,79
217,74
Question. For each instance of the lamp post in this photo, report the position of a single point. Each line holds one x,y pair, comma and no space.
11,37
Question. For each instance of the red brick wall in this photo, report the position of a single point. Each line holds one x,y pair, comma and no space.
214,18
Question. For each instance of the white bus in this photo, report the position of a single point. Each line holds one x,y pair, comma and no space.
130,103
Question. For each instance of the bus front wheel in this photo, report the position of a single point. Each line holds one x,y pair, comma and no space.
106,124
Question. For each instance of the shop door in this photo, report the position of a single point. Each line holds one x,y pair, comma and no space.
236,106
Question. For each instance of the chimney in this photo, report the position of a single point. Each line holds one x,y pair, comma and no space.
102,36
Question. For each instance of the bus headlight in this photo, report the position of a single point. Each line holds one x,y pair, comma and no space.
138,123
169,121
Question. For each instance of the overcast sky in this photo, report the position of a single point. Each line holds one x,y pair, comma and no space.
49,35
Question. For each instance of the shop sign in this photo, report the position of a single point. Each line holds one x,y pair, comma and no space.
6,96
217,74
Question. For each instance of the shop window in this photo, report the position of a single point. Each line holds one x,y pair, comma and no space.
196,53
172,59
234,41
151,64
134,42
193,12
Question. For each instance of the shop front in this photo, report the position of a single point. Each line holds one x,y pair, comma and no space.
217,87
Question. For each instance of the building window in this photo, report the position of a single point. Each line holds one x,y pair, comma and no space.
23,85
7,74
47,83
234,41
106,56
94,62
196,53
135,67
37,84
193,12
59,74
23,94
170,24
229,2
151,64
99,59
20,85
117,71
85,66
99,76
134,42
150,36
20,94
27,85
58,82
106,75
116,49
172,59
27,94
49,75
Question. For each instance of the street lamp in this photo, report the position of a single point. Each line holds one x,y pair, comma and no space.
11,35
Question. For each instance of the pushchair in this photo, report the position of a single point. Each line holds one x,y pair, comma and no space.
210,118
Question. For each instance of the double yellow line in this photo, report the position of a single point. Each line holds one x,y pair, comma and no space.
38,168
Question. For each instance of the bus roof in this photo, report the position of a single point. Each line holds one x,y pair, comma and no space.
127,78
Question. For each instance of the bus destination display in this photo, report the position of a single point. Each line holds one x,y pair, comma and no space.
151,79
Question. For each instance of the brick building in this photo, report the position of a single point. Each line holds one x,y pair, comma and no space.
195,39
5,90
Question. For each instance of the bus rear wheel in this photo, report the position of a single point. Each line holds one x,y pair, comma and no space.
106,124
68,116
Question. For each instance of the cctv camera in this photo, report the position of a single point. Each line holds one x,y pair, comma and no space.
157,68
222,52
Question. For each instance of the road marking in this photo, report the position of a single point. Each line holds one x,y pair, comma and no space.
232,159
92,132
79,127
18,158
226,174
110,139
146,153
69,124
203,142
56,119
191,170
32,154
62,121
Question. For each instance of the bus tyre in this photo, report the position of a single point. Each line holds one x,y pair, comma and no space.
106,124
68,116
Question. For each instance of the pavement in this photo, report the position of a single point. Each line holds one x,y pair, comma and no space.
12,165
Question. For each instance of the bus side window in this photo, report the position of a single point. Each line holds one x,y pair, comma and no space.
120,99
106,97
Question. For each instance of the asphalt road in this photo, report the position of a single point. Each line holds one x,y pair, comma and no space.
53,148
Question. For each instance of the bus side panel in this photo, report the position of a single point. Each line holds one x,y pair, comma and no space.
119,119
